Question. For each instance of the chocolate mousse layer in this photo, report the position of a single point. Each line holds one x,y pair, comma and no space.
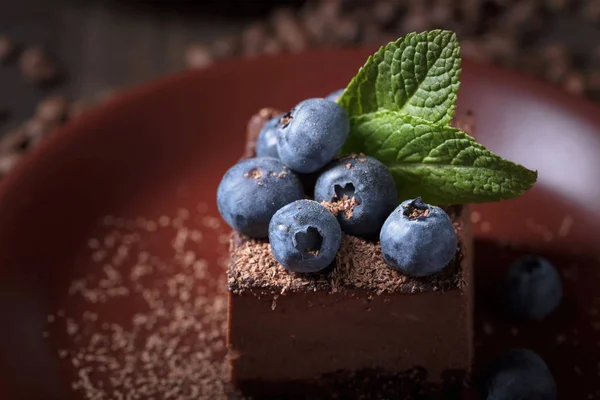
359,329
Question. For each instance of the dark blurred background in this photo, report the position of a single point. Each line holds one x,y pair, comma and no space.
59,57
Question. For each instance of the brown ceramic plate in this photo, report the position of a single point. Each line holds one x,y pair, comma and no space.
111,248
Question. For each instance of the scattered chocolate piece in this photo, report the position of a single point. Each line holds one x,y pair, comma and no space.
501,48
474,50
273,46
37,67
347,30
557,60
418,19
523,15
288,30
384,12
574,83
7,48
442,12
37,129
253,39
198,56
76,108
14,141
8,161
52,109
226,46
315,25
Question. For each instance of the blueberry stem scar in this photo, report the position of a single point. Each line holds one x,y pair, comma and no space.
416,209
285,120
347,190
310,241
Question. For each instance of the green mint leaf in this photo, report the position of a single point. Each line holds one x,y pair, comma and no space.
416,75
441,164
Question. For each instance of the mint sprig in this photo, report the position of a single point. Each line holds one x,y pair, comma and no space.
400,105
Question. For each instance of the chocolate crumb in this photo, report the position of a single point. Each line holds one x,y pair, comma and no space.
37,67
345,205
52,109
198,56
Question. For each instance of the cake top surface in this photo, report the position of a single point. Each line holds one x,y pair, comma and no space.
359,265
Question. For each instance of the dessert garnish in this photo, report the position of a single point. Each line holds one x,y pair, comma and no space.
311,134
418,239
304,236
391,129
369,183
252,191
400,106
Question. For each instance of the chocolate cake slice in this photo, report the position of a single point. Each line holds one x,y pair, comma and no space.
358,329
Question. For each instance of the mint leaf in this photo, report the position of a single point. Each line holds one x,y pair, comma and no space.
416,75
439,163
400,105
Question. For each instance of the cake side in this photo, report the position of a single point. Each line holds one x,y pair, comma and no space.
302,339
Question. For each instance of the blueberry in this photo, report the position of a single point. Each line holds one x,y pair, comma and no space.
266,145
311,134
252,191
532,287
304,236
334,96
368,184
520,375
418,239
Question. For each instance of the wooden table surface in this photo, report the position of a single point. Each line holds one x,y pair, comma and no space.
100,45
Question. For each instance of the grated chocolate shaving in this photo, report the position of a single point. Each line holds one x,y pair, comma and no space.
344,205
359,265
169,339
